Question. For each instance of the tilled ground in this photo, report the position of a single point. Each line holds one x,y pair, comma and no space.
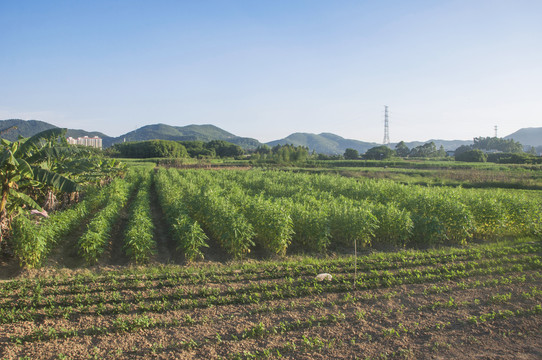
250,312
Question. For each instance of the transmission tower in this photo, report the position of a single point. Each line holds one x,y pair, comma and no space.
386,127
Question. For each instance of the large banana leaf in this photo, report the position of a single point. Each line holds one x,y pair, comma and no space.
57,181
5,158
78,166
25,198
25,170
53,153
36,141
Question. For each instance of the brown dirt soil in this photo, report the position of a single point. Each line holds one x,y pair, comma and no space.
433,320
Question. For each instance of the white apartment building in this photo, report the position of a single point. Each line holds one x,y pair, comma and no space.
86,141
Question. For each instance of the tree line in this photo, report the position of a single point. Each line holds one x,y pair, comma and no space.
207,150
483,149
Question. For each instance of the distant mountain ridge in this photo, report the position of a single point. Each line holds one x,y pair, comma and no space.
527,136
449,145
324,143
27,128
186,133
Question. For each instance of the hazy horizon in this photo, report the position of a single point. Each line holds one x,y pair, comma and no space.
447,70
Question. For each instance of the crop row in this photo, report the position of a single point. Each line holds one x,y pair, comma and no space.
167,277
122,324
277,211
139,241
33,239
444,214
91,244
183,298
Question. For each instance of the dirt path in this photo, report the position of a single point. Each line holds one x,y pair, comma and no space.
115,254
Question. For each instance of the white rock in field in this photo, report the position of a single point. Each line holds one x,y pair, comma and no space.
324,277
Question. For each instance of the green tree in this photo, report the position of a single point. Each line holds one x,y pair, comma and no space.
471,156
425,150
401,149
441,152
224,149
462,149
30,164
494,143
379,153
151,149
351,154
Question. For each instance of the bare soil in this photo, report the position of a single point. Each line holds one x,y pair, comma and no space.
413,321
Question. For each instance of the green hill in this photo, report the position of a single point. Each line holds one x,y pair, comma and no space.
186,133
24,128
27,128
527,136
325,143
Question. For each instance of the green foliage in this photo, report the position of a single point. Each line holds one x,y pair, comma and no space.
224,149
514,158
401,149
45,164
92,243
26,163
198,149
428,150
188,233
32,240
281,154
471,156
499,144
151,149
351,154
350,222
139,238
204,133
225,222
272,223
395,225
379,153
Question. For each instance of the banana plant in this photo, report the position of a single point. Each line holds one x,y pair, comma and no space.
27,165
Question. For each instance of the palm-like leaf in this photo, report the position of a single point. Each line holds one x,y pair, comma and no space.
55,180
53,153
25,199
39,140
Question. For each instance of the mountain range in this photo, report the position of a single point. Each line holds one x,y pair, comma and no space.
324,143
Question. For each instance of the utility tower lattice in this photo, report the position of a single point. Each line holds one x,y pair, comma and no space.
386,127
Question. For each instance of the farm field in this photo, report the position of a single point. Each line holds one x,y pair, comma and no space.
481,301
222,264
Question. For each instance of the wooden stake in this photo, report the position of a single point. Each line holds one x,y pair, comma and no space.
355,263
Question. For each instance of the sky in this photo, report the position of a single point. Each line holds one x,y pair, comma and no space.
268,68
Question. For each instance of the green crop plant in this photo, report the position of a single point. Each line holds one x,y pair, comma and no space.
188,233
92,242
139,238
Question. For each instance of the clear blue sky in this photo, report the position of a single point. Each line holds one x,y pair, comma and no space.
265,69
